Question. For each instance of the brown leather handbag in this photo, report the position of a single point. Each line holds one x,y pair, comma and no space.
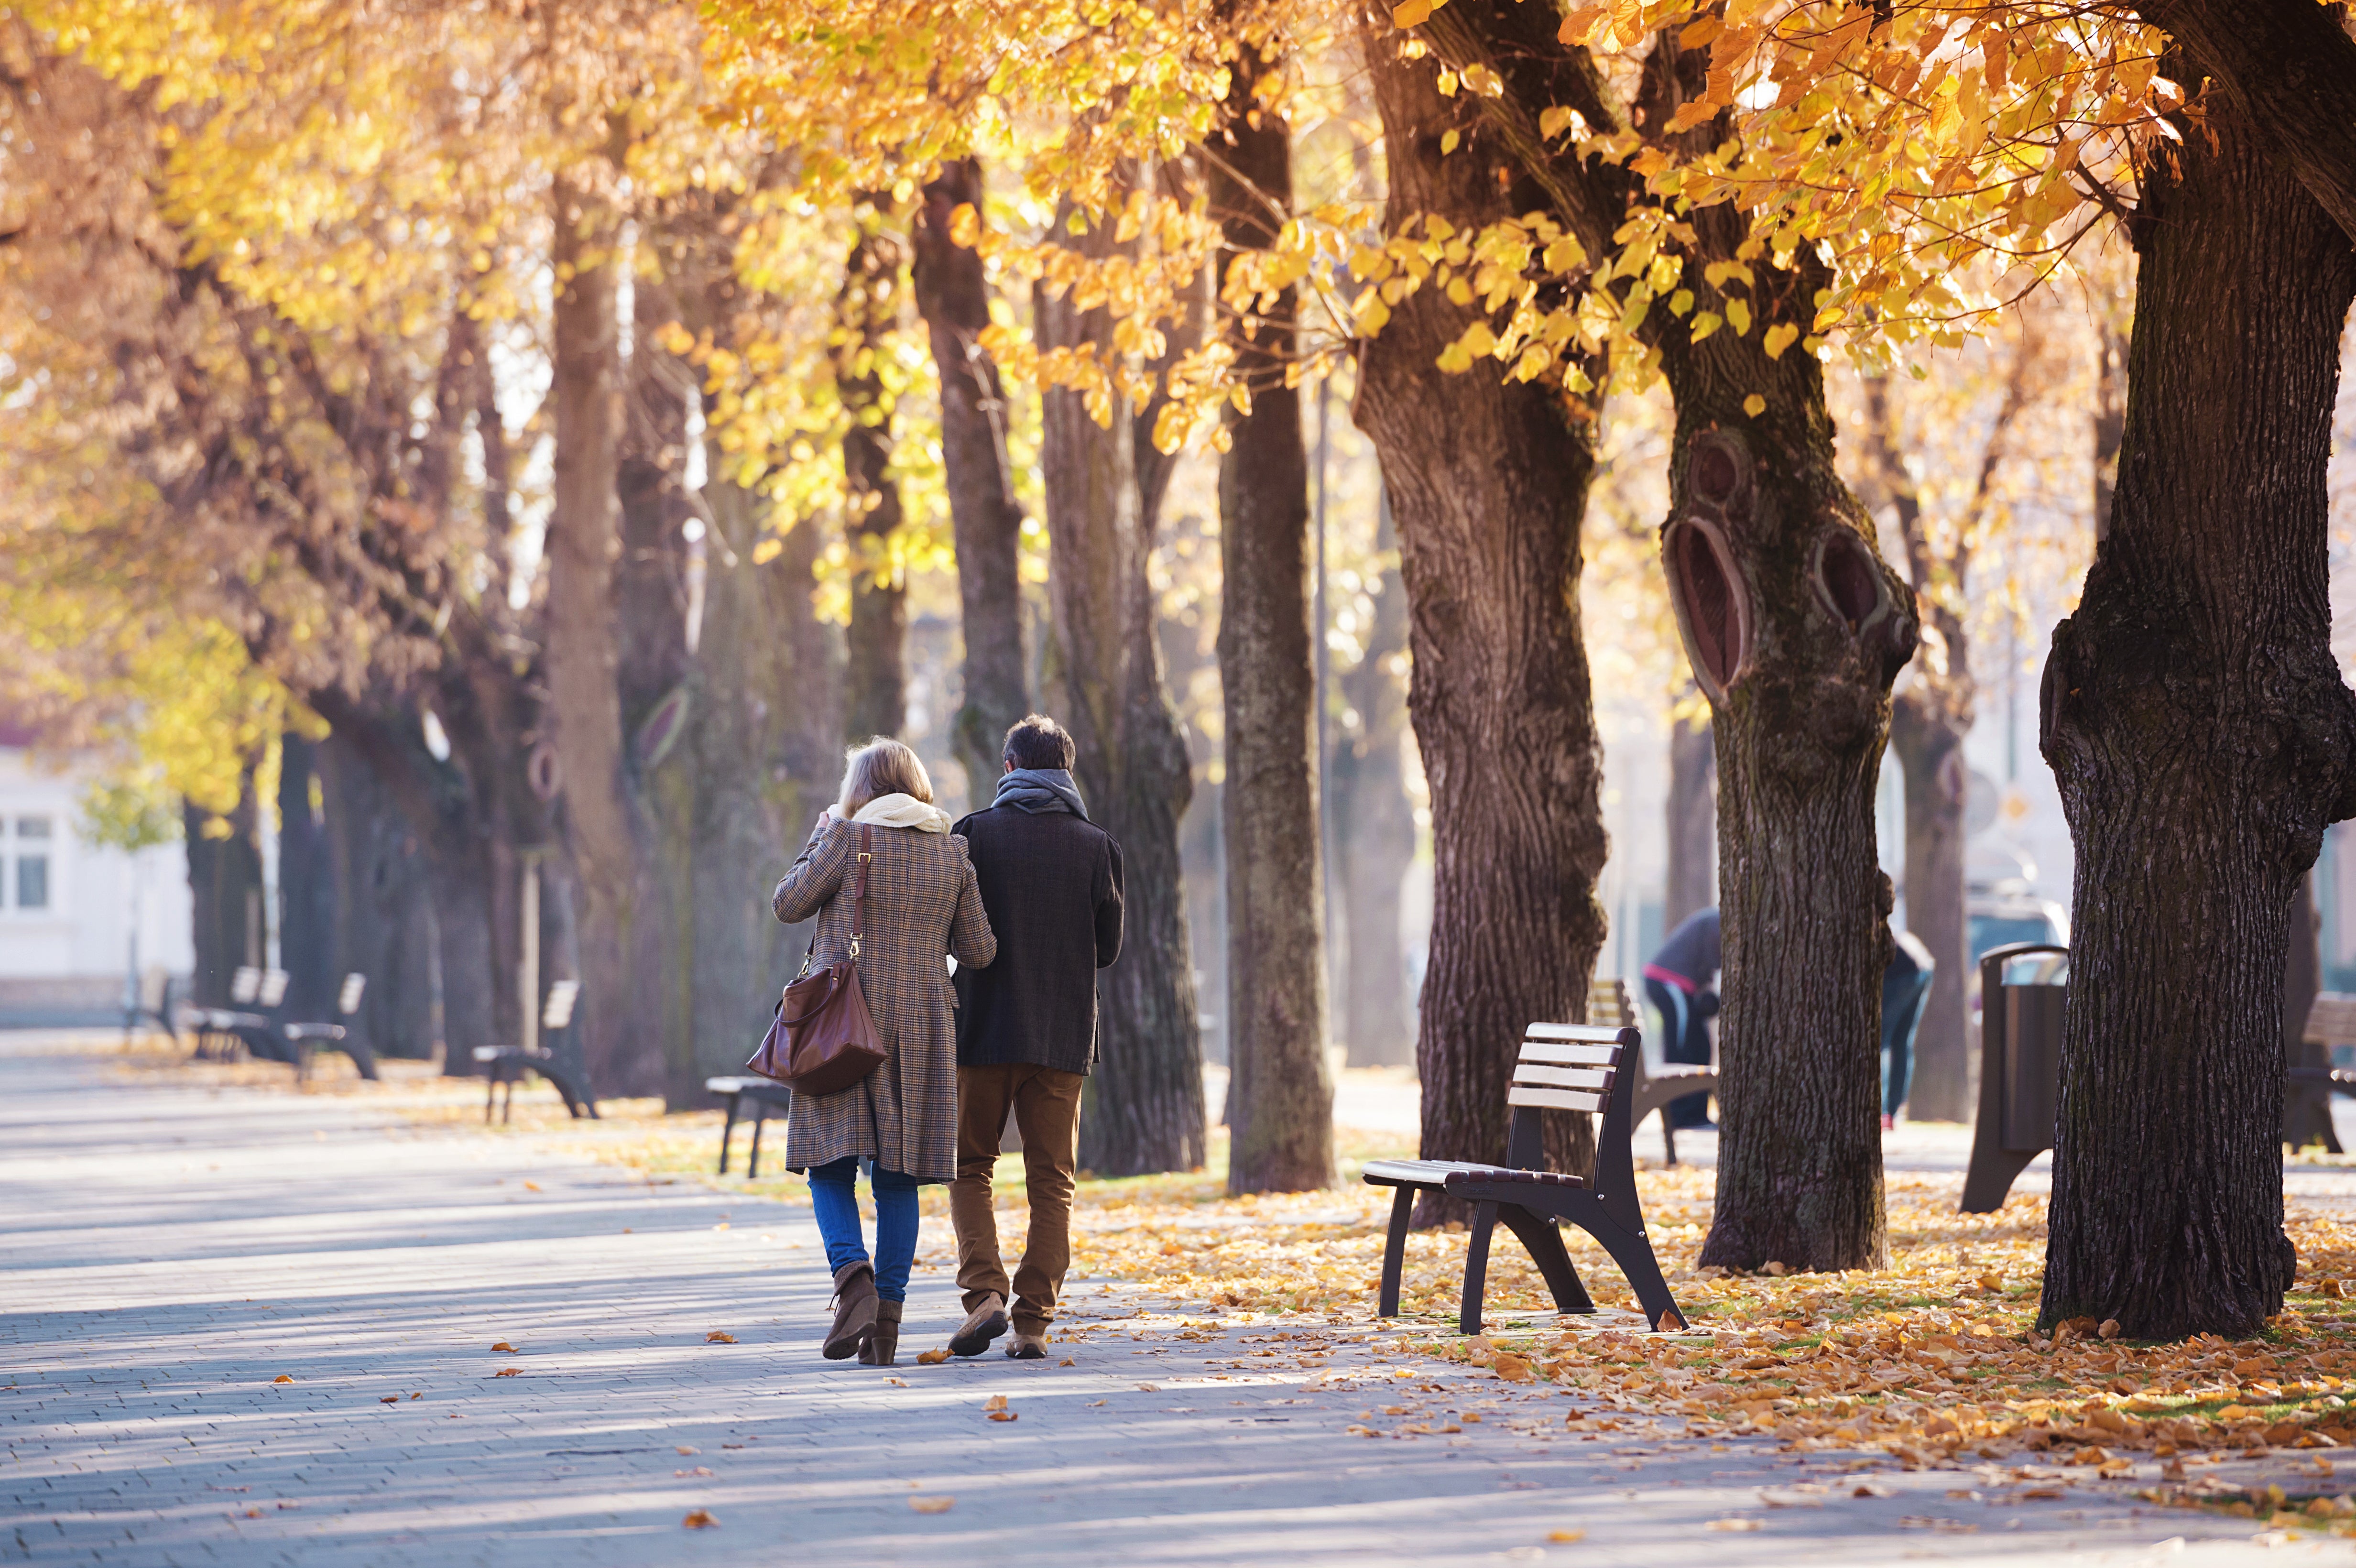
823,1039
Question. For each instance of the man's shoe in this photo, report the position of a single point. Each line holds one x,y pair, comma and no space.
1028,1347
983,1324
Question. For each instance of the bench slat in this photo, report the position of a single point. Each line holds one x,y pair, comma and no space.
1598,1079
1555,1099
1572,1032
1581,1055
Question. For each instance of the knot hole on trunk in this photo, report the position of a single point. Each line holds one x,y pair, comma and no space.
1712,604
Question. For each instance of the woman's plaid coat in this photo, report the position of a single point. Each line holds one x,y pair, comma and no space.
922,905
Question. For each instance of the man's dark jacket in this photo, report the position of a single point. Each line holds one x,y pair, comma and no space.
1051,884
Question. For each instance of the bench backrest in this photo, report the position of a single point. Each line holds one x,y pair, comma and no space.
2332,1020
274,987
243,984
347,1000
561,998
1569,1067
1608,1003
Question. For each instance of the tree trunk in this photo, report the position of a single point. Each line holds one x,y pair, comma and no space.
1280,1095
307,884
1930,748
953,298
2291,67
1488,480
2198,726
1144,1108
1374,829
762,743
381,926
1692,818
2110,416
225,890
876,695
621,1015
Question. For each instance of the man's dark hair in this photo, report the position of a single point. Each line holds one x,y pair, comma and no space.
1040,743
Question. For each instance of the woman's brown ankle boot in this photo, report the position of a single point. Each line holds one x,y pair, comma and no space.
885,1340
854,1310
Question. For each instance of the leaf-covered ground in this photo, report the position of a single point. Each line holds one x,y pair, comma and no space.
1931,1362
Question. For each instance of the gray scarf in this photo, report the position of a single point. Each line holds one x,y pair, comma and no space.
1036,790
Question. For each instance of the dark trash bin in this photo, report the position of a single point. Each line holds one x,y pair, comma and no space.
2020,1075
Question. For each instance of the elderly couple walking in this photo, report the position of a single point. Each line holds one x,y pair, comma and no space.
1026,897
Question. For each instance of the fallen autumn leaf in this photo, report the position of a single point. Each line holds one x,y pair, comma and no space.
931,1505
699,1519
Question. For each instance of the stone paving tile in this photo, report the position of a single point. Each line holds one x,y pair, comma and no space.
167,1253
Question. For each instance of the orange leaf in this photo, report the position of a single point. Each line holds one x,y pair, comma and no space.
282,1378
931,1358
699,1519
720,1337
503,1345
509,1373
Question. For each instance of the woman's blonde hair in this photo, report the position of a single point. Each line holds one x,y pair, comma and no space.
879,768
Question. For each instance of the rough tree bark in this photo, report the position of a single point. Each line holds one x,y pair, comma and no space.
620,1018
2198,726
876,678
1692,817
307,884
1144,1108
1488,481
1374,826
952,295
1281,1093
1931,717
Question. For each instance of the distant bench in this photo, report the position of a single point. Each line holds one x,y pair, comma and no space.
766,1096
265,1036
507,1065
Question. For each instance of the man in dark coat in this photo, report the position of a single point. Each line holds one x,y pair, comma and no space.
1027,1027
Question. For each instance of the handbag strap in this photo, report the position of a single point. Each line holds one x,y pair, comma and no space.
866,857
859,923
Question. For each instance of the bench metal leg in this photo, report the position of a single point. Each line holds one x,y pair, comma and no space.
1394,1251
1634,1252
1477,1267
1668,1138
1543,1240
490,1095
760,1119
727,1130
1991,1174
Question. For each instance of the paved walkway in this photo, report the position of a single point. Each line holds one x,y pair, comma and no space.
245,1327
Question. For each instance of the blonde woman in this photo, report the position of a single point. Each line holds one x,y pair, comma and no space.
922,906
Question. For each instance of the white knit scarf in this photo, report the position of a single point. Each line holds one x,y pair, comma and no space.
901,810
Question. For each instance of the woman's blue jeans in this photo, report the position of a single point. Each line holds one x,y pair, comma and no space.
834,1198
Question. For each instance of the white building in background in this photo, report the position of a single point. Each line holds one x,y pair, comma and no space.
76,917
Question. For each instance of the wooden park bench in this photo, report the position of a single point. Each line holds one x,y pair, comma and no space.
508,1064
1608,1007
308,1040
2312,1081
2020,1075
249,1024
1561,1067
768,1097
